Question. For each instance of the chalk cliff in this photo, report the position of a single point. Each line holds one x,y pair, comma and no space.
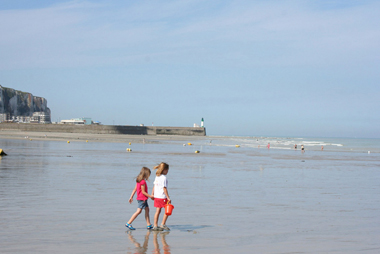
18,103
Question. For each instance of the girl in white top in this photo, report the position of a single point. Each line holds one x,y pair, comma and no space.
161,195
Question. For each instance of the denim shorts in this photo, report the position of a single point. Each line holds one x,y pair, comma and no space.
142,204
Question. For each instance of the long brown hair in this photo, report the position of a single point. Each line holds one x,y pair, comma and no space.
161,167
144,174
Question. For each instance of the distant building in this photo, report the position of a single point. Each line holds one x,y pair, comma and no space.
4,117
87,120
37,117
83,120
40,117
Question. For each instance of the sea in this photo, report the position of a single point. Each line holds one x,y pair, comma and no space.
230,195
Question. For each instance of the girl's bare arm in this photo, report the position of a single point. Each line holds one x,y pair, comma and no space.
133,193
167,194
143,191
153,192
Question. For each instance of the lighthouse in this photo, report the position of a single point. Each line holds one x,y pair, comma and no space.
202,122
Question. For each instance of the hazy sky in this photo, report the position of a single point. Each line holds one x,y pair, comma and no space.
255,68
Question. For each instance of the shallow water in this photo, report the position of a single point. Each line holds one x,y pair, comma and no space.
57,197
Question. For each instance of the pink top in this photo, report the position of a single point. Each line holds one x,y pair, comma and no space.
140,195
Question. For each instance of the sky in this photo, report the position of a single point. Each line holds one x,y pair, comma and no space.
249,68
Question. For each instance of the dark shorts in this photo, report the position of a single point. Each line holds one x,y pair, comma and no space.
142,204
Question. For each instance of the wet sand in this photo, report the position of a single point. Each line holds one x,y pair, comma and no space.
57,197
112,138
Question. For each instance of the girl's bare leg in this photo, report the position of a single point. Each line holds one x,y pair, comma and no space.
134,216
156,216
164,219
147,216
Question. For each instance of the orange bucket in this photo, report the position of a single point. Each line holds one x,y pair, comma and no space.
169,209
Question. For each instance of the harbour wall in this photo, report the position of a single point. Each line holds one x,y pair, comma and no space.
106,129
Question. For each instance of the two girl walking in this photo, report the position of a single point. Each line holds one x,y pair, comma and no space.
160,196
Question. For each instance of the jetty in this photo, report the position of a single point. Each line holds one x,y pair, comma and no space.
105,129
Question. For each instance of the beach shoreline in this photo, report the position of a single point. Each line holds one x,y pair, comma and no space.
91,137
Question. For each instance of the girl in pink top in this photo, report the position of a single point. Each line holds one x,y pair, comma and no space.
142,198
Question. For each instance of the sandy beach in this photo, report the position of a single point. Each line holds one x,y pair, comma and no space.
57,197
112,138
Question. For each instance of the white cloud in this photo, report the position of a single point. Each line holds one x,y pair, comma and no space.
245,33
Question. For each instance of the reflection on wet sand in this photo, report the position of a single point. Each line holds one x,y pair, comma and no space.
165,246
143,249
139,248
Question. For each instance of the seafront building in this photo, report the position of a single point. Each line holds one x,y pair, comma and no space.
78,121
40,117
37,117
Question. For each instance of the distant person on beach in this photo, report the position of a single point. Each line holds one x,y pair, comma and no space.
268,145
142,198
322,148
302,148
161,195
295,146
